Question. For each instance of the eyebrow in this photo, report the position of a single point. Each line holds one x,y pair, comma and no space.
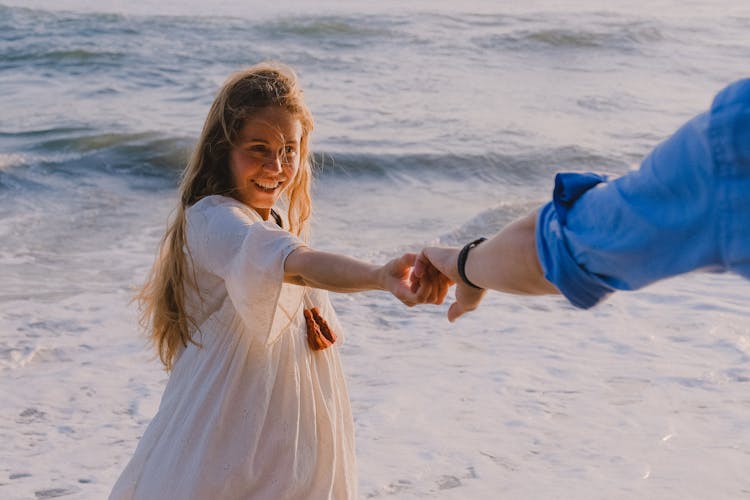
265,141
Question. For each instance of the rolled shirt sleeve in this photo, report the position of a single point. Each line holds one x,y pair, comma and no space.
685,209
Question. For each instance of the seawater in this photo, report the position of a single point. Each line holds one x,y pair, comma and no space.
436,122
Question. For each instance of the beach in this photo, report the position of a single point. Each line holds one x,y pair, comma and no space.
436,123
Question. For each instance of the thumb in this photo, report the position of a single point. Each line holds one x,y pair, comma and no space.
420,264
409,258
455,311
406,260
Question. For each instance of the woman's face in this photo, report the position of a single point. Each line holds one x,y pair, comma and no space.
265,157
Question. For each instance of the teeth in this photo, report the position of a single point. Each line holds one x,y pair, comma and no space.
268,185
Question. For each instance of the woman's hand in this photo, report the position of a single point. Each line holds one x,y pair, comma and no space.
397,277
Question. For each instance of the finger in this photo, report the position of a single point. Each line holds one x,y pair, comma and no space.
408,259
427,283
455,311
440,287
416,283
401,267
430,297
404,294
435,294
425,291
408,301
420,265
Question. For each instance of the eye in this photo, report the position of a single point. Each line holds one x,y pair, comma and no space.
290,151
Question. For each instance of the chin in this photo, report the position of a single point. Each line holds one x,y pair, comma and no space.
261,204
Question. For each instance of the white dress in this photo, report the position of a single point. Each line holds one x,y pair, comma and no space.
253,413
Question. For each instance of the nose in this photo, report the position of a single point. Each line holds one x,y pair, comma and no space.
272,162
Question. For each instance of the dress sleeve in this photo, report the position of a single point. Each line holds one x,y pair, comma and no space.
658,221
247,254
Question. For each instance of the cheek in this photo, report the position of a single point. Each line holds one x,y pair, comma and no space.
234,166
239,165
291,172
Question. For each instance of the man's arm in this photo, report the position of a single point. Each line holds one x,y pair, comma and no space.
507,262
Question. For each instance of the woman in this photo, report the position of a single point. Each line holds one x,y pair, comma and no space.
250,409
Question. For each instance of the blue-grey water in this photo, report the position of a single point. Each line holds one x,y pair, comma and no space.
435,122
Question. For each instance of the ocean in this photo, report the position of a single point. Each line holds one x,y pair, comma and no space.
436,123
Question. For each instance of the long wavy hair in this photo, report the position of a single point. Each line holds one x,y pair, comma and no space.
162,297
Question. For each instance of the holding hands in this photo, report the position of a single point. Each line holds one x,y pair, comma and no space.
435,264
425,279
507,262
398,277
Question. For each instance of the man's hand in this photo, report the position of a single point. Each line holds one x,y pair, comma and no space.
444,261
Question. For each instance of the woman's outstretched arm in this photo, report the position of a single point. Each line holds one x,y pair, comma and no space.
340,273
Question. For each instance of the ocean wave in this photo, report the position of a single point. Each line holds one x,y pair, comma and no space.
609,36
487,222
34,133
137,153
153,48
48,58
152,153
51,40
488,166
140,49
38,24
333,26
81,152
11,160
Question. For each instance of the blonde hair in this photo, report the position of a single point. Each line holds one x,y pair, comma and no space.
162,297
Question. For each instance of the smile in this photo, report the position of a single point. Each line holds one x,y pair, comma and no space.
267,186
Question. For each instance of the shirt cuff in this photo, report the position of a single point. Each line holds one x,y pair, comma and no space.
582,288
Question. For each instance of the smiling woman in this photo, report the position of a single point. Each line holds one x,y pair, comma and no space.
435,122
265,159
251,409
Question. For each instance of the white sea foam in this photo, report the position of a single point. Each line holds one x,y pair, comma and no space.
11,160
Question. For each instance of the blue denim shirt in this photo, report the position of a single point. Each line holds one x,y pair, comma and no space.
687,208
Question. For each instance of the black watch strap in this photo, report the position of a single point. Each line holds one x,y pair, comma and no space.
462,256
